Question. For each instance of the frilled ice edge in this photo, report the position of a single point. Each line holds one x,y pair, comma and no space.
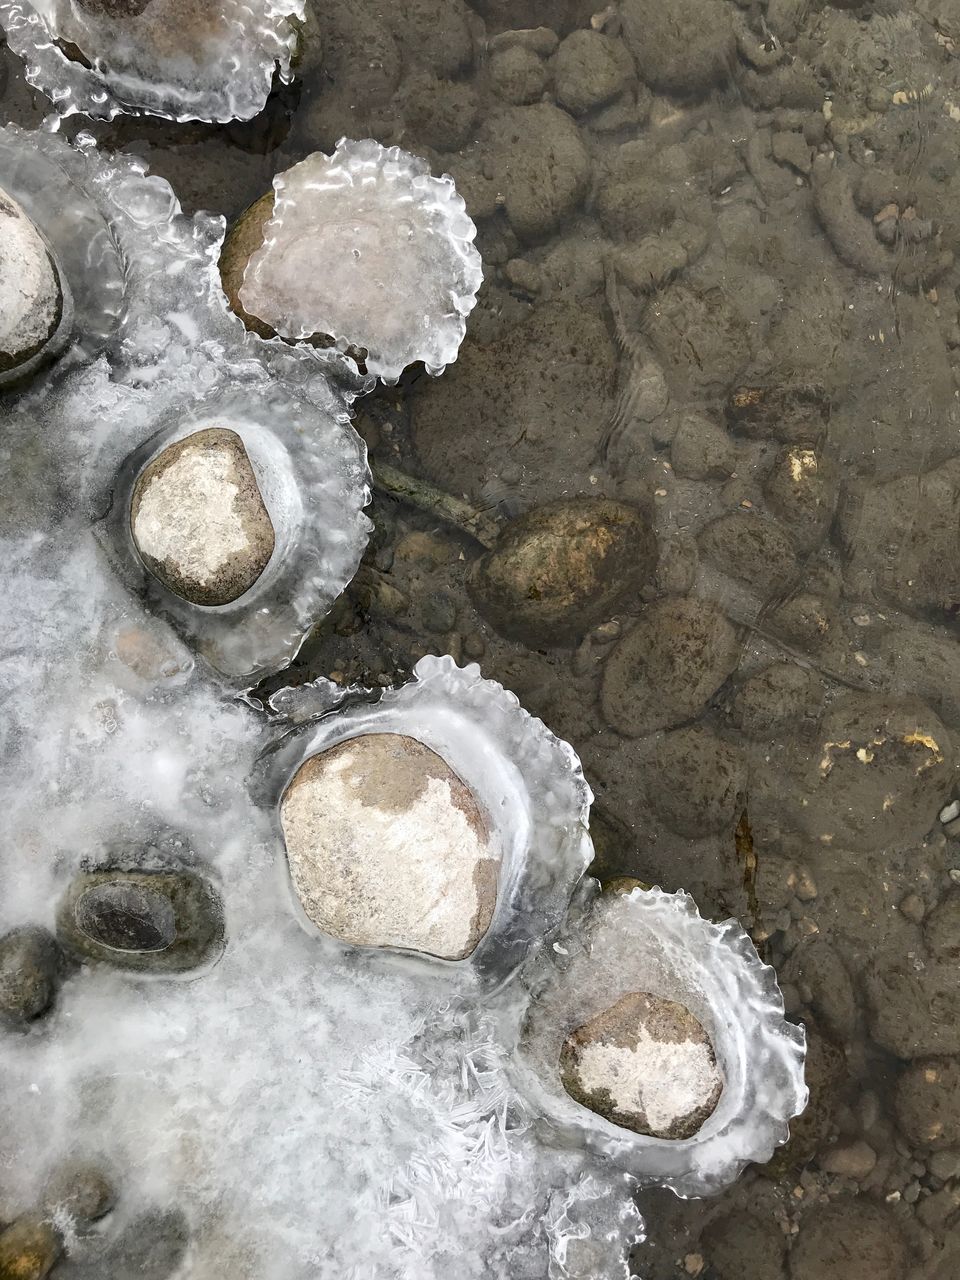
400,270
170,360
220,75
48,179
528,782
312,474
657,942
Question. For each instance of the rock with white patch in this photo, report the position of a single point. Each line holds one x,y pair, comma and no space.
31,294
199,521
645,1064
388,848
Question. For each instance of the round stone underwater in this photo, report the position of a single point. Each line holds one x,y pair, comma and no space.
388,847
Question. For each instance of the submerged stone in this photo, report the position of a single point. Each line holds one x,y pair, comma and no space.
388,848
29,974
127,917
29,1249
81,1191
153,921
199,521
557,571
645,1064
31,294
665,669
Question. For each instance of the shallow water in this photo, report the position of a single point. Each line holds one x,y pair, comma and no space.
720,287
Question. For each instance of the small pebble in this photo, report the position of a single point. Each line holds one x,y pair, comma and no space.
950,811
852,1160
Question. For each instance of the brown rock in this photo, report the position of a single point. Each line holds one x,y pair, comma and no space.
645,1064
849,1240
849,1160
29,1249
79,1190
740,1246
388,848
29,974
561,569
665,669
243,240
199,521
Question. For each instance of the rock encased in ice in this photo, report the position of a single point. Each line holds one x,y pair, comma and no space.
180,59
66,197
148,299
657,944
31,293
366,250
149,921
309,468
646,1064
388,848
526,785
198,518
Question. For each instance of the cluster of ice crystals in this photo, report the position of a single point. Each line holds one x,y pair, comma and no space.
366,248
655,942
308,1111
181,59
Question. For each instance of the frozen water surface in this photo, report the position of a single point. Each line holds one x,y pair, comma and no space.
182,59
399,270
310,1108
303,1108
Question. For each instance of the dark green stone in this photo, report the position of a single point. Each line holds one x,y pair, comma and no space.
30,964
148,921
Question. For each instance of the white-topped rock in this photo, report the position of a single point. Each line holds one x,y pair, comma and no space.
199,521
31,297
388,848
645,1064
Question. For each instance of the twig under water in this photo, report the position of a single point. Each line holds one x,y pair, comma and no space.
434,502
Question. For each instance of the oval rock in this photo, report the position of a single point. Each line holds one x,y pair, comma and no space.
149,921
561,569
665,669
645,1064
199,521
387,847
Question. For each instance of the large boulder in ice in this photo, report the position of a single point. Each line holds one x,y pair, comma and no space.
199,521
361,250
31,293
388,848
